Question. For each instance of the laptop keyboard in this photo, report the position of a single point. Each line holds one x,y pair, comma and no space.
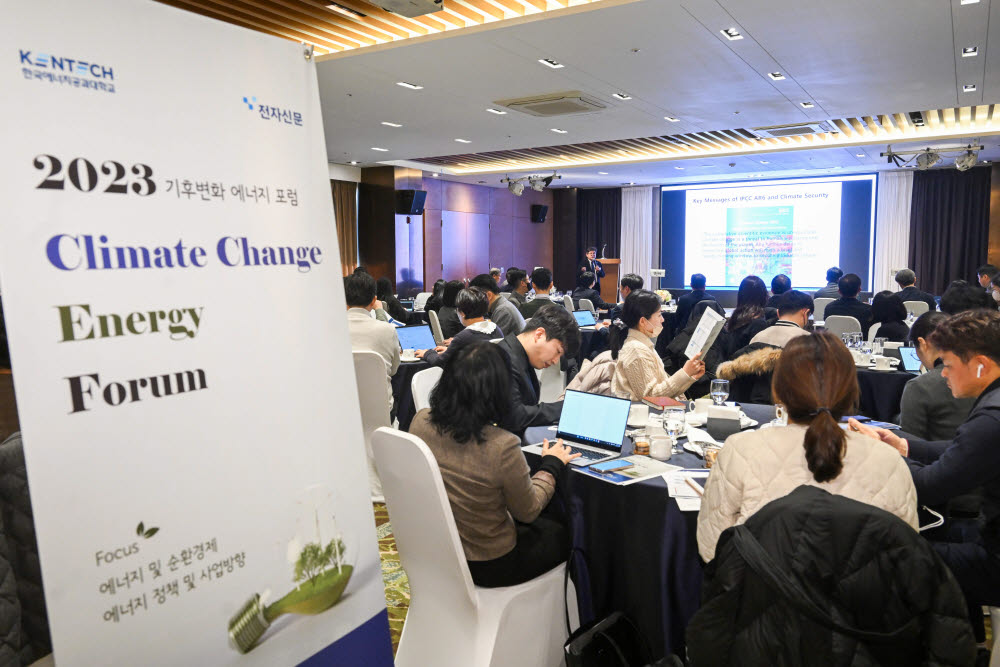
590,454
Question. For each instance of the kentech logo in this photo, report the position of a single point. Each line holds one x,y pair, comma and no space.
71,71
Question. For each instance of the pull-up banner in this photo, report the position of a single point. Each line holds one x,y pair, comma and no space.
181,360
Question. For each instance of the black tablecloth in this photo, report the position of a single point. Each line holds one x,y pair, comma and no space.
881,393
402,394
639,551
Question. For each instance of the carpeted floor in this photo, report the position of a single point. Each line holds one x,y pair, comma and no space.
397,586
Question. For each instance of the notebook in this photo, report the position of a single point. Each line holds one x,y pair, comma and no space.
592,425
416,337
584,318
911,362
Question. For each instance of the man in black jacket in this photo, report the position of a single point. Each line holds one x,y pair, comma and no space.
970,348
585,283
591,264
687,302
550,334
848,304
907,279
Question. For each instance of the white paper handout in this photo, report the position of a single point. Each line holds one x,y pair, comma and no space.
705,333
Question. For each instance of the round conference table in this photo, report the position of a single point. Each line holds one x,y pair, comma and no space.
882,393
638,551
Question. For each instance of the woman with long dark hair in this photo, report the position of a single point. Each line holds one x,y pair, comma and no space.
436,299
816,381
889,313
494,498
383,291
748,318
639,370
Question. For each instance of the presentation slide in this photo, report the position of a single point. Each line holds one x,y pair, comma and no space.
798,227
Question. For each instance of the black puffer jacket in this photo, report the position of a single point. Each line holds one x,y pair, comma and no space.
816,579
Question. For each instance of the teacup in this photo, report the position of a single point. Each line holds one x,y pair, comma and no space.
659,447
861,358
700,406
409,354
883,363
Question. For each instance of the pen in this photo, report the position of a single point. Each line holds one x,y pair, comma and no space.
694,486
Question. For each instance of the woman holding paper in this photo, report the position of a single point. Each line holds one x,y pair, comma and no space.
816,381
639,370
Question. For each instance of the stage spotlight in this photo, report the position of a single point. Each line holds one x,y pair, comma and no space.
516,187
966,161
927,160
537,184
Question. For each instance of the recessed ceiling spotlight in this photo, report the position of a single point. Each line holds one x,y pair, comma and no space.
558,131
806,105
765,162
354,161
381,150
681,168
411,86
859,155
463,141
969,2
497,111
629,183
732,34
969,88
548,62
603,173
672,119
621,96
970,51
387,123
435,175
777,76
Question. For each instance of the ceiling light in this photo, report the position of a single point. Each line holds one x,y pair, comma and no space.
672,119
558,131
603,173
381,150
411,86
629,183
497,111
346,11
765,162
681,168
732,34
516,187
548,62
354,161
969,2
537,184
622,96
927,159
463,141
859,155
806,105
966,161
387,123
969,88
970,51
777,76
435,175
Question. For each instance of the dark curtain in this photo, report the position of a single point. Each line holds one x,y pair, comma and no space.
599,221
345,211
949,225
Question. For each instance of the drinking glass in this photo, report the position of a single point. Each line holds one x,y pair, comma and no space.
866,348
878,345
720,391
640,442
674,425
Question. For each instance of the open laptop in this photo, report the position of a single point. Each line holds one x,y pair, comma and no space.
591,424
584,318
417,337
911,362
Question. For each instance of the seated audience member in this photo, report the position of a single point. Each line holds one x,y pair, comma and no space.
688,301
907,279
366,332
506,285
495,274
995,285
496,501
639,371
929,411
832,289
436,299
848,304
501,311
816,381
630,282
448,314
748,318
794,308
360,269
517,280
780,284
471,305
383,291
890,314
673,352
541,282
961,296
549,335
985,275
585,290
969,345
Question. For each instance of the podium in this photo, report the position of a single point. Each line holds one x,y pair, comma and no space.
609,283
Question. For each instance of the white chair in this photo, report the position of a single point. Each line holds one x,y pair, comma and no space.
568,302
916,308
421,300
373,395
422,385
873,331
552,383
587,304
841,324
451,622
436,327
819,307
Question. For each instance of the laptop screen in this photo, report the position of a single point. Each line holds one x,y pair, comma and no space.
911,361
593,419
416,338
584,318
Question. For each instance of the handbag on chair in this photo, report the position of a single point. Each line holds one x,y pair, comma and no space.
612,641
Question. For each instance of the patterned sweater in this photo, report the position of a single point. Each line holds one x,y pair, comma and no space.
640,372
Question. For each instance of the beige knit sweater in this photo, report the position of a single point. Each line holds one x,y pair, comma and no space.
640,372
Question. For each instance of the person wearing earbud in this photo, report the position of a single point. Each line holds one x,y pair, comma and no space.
969,346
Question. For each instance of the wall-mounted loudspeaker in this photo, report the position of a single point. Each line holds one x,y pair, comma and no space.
410,202
538,212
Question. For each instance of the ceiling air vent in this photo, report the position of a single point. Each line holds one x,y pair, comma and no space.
793,130
556,104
